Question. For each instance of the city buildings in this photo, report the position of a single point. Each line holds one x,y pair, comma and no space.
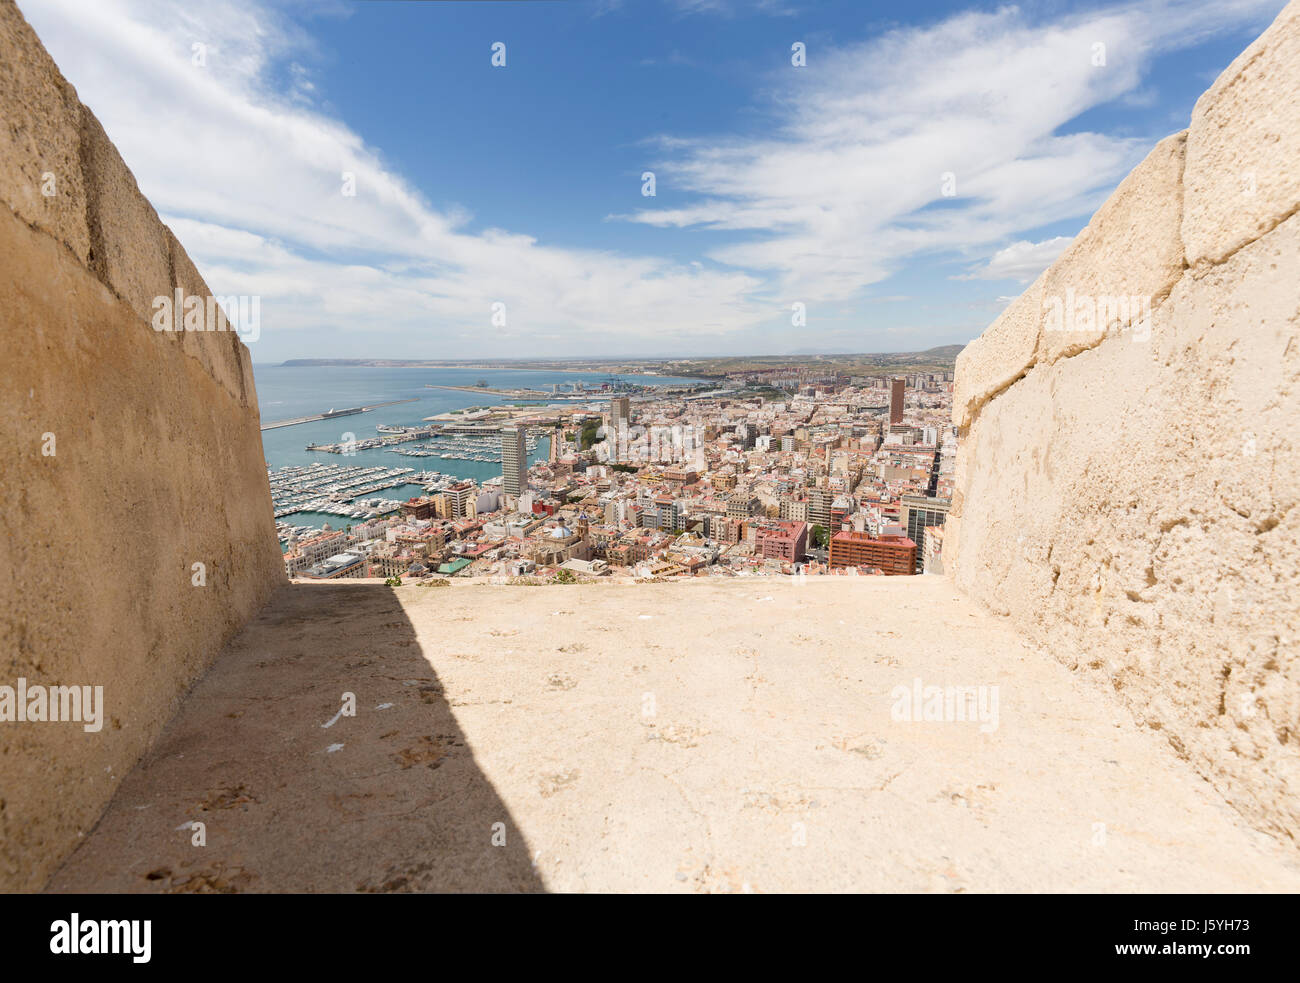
458,501
828,480
305,553
892,555
782,540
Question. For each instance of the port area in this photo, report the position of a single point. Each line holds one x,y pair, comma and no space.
572,395
331,414
480,444
531,394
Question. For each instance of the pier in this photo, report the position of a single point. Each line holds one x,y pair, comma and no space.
333,414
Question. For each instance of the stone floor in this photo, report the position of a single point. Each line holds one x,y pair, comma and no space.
710,735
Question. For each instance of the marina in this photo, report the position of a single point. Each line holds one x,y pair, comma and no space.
485,449
342,490
482,447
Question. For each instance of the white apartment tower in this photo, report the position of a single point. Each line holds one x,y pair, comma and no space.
514,460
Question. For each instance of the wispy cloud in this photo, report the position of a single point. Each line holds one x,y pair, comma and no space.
944,139
1021,261
731,8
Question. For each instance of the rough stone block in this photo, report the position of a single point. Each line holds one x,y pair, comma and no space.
1243,148
1123,264
219,350
40,137
129,242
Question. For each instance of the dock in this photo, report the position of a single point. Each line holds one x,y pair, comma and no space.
330,416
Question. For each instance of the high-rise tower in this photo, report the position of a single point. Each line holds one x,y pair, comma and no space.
620,416
896,388
514,460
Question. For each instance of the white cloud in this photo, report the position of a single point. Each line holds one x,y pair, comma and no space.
1021,260
251,180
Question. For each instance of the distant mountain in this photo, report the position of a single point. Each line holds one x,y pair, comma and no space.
943,351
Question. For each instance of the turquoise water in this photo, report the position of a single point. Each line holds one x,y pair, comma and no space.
285,392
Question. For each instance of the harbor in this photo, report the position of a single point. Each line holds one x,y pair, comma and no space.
426,427
556,392
331,414
483,446
388,436
461,447
335,489
347,492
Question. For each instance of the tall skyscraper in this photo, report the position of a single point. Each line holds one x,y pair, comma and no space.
896,387
620,417
514,460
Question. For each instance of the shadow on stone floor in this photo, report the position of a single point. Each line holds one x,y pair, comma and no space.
390,800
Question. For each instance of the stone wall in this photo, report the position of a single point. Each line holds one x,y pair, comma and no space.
1127,487
156,465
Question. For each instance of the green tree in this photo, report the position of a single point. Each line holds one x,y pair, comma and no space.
820,536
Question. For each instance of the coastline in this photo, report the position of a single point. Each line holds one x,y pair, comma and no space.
299,363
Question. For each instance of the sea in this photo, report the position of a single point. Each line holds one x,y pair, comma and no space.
288,391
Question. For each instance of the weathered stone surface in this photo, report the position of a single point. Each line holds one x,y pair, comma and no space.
97,210
698,736
40,137
219,350
1133,508
155,468
131,461
129,240
1242,177
1123,264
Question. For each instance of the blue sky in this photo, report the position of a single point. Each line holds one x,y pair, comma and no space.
521,186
